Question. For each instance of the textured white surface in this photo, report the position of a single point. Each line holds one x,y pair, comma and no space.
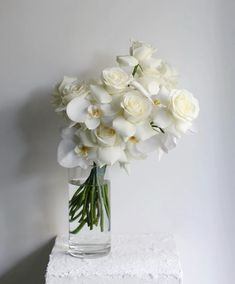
137,259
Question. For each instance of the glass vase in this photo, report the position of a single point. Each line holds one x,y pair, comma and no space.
89,212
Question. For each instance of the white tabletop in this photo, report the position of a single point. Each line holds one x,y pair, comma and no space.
134,259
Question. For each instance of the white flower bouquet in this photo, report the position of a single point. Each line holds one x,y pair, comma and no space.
133,109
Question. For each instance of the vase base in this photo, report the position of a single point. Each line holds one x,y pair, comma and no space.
88,250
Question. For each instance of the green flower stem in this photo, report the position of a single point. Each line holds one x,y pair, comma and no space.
100,200
90,202
106,203
92,207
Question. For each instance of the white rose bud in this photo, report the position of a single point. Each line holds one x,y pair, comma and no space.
183,105
115,79
141,51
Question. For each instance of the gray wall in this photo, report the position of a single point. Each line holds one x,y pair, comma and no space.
190,193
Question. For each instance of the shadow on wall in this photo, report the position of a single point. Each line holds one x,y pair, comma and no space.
32,187
32,196
39,126
31,269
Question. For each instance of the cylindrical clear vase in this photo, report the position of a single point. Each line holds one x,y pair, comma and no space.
89,212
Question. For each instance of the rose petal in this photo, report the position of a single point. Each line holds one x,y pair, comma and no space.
77,109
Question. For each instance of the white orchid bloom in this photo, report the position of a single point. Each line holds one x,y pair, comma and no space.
82,111
66,155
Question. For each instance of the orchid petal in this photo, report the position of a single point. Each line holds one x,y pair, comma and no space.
127,60
134,153
100,94
124,127
109,155
141,89
162,117
77,109
66,156
168,142
149,145
85,138
125,166
183,126
92,123
144,131
108,110
164,96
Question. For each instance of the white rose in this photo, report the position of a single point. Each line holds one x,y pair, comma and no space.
115,79
141,51
183,105
136,106
68,89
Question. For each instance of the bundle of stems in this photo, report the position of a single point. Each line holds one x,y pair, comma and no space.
90,203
